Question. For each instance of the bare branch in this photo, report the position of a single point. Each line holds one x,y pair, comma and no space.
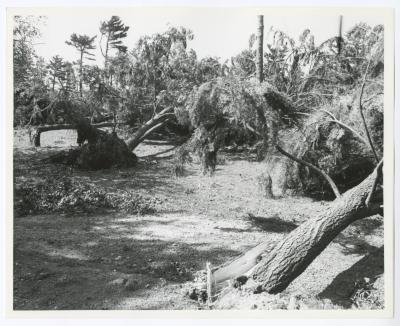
329,113
335,120
151,130
322,173
362,113
164,111
252,129
378,171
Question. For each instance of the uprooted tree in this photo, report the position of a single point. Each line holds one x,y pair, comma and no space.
275,265
315,117
290,257
268,113
141,87
99,149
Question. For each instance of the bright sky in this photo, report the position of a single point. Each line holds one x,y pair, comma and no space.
217,32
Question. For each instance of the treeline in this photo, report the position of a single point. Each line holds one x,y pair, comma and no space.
161,71
135,83
317,101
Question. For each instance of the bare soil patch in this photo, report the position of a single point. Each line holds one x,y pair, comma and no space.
115,260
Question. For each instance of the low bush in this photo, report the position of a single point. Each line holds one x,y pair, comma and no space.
71,196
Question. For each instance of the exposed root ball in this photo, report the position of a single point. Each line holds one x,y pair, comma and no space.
106,151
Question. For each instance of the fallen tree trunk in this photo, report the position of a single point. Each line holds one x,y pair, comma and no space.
242,264
274,269
294,254
154,123
35,138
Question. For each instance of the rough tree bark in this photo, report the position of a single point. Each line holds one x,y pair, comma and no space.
150,126
294,253
275,266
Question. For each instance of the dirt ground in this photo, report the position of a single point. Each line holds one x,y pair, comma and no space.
114,260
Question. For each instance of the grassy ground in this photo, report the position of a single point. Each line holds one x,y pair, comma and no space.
113,260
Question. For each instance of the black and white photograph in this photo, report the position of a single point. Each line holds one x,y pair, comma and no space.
201,159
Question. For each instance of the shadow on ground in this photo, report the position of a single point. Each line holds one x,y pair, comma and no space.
353,240
272,224
120,261
343,286
112,259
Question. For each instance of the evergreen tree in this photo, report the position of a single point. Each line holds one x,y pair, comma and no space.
56,68
112,31
83,44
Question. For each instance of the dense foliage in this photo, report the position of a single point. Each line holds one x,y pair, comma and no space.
309,103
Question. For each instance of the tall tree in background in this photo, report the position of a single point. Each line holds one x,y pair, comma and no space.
29,72
112,31
56,68
70,79
339,37
83,44
260,39
26,31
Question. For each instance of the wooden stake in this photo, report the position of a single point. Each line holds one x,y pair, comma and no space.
210,284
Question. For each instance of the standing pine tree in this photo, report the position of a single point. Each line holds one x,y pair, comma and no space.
83,44
56,68
112,32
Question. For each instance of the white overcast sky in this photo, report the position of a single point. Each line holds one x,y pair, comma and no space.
218,32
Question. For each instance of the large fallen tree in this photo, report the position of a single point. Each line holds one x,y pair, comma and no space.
294,254
275,266
100,149
156,122
318,144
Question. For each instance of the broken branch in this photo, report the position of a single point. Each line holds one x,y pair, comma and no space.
335,120
378,171
313,167
360,107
